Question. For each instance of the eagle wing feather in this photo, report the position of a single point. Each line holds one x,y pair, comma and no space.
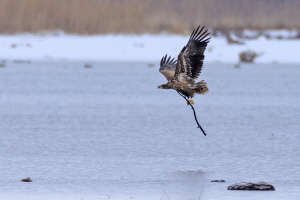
167,67
190,59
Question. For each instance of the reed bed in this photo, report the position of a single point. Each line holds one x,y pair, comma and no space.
140,16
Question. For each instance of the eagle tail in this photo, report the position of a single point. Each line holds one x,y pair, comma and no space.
200,87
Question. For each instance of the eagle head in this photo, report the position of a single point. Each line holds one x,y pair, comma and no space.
165,86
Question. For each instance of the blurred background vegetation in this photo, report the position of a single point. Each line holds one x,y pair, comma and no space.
141,16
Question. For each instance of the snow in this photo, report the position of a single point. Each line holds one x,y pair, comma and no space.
146,47
273,34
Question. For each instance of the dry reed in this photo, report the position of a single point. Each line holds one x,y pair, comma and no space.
138,16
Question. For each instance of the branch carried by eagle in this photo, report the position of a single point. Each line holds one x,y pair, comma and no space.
183,72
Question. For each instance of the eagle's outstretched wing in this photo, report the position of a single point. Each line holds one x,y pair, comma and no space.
167,67
190,59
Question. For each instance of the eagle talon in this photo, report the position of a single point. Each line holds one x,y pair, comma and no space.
190,101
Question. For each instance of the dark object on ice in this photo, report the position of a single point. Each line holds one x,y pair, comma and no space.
2,65
88,66
251,186
22,61
248,56
26,180
218,181
237,65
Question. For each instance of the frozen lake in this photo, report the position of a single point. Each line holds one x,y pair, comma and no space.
107,132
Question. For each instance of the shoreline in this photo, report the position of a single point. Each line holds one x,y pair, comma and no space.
140,48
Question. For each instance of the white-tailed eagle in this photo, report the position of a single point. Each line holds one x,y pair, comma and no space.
182,73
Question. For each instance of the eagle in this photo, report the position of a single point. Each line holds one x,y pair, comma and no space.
183,72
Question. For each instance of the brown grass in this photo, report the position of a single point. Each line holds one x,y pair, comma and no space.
138,16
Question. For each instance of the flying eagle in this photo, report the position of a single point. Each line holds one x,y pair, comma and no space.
182,73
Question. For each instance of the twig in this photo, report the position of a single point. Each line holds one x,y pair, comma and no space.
200,193
199,126
167,194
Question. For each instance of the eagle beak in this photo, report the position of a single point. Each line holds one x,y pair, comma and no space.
159,87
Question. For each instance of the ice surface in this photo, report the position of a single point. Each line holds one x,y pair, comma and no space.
150,48
107,132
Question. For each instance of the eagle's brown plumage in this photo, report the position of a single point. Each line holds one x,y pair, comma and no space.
181,74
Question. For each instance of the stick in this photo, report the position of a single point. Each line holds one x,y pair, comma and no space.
199,126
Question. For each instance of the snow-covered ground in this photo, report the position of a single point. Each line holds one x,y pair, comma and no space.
149,48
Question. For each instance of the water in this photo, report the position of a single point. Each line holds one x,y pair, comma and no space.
107,132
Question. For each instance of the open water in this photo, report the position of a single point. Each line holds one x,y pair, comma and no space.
107,132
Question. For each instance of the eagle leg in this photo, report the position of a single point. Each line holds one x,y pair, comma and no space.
191,101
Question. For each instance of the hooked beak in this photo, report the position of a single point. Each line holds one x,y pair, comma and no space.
159,87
